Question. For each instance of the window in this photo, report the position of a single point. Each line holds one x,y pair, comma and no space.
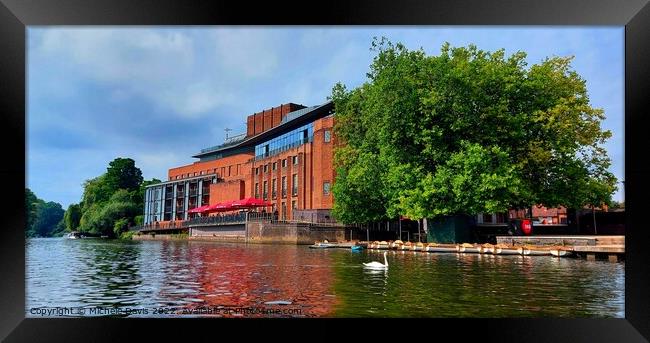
328,136
326,188
257,190
294,184
266,168
285,142
284,186
275,165
257,171
195,174
293,205
229,168
487,218
274,188
284,210
265,193
295,160
284,163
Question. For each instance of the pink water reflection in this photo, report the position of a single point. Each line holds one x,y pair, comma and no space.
245,276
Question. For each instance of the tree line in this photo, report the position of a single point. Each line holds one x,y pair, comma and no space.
465,132
110,204
44,219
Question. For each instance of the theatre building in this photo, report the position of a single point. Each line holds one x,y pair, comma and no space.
284,157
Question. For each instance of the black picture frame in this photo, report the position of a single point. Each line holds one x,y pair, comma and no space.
16,15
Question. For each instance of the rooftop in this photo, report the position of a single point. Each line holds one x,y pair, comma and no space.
291,120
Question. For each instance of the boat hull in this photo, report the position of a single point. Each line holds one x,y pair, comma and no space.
560,253
441,249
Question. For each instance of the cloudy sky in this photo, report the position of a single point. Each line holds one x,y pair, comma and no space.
159,95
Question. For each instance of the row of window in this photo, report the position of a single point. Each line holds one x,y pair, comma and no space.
274,165
294,188
231,170
294,138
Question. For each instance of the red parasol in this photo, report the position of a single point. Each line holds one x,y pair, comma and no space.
199,209
250,203
221,207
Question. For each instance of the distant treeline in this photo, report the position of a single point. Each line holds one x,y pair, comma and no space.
110,204
44,219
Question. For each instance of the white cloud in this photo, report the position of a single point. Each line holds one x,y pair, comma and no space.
196,99
249,53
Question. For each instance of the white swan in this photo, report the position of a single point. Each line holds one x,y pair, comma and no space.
377,265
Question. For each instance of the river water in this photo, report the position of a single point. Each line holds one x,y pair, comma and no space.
91,277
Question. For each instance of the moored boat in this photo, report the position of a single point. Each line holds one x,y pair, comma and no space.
486,249
319,245
505,251
468,248
533,252
440,248
560,252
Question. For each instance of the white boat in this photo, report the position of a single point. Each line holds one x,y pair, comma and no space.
468,248
72,235
505,251
434,248
560,252
532,252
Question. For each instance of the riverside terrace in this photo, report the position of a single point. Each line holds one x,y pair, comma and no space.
249,227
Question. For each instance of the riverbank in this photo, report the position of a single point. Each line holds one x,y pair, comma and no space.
261,232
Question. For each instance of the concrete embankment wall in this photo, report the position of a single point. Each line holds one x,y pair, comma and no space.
226,233
258,232
292,233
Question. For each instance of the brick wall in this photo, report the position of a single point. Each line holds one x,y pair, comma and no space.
227,191
267,119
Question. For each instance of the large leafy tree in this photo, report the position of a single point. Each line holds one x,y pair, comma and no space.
112,201
123,174
72,217
466,131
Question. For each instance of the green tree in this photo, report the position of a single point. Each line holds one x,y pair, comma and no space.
48,216
72,217
31,202
123,174
464,132
102,219
96,192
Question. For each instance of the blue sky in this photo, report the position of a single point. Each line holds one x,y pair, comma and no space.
159,95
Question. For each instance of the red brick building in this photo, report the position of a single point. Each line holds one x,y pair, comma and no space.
284,157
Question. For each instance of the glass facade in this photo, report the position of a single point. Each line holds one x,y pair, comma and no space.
285,142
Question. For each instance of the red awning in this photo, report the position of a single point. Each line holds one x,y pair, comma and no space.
221,207
250,203
199,209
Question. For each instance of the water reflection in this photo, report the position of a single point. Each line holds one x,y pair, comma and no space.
316,282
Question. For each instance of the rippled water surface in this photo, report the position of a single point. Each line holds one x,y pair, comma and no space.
171,278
